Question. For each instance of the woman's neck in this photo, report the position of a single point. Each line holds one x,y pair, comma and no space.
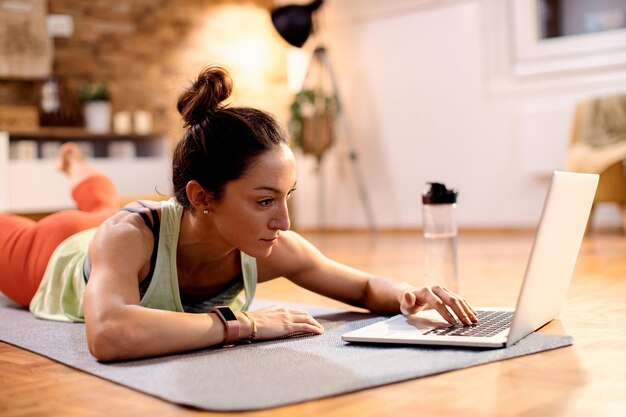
199,243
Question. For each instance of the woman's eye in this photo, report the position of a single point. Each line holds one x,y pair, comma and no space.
266,202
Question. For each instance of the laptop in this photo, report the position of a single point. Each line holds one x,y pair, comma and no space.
548,273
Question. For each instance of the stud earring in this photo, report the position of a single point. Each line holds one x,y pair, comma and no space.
205,211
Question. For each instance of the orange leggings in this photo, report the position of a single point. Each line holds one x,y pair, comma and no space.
26,245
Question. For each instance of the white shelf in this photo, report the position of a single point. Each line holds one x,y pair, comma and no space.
36,186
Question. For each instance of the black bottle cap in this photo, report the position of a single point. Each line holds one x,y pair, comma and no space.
437,193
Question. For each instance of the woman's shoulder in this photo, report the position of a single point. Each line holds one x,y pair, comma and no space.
291,254
131,222
146,210
139,221
148,205
289,243
296,244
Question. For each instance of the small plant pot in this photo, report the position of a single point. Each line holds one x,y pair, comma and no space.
97,116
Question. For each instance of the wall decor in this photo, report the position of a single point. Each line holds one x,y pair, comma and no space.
25,48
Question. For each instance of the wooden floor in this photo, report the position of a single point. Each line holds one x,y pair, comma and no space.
587,379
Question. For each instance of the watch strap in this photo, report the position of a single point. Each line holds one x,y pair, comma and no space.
231,324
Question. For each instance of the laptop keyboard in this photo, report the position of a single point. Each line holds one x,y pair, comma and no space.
489,323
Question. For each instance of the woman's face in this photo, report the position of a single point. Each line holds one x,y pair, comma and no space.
253,209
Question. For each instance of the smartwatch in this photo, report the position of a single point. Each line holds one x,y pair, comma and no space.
231,324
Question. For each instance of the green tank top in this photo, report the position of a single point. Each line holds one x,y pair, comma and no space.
60,293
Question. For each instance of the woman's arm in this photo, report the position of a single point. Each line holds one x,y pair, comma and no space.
299,261
119,328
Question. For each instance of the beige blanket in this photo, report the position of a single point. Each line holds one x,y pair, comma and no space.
603,136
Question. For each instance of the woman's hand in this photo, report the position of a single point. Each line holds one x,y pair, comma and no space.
439,298
275,321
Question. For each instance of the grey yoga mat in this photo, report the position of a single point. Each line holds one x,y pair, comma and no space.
264,374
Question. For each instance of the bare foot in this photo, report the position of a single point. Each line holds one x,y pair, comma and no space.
68,153
70,161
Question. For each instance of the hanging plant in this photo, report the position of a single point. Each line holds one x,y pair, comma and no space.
312,122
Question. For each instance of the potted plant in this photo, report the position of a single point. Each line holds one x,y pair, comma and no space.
312,122
96,106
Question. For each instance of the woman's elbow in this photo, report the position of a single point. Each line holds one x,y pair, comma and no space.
109,341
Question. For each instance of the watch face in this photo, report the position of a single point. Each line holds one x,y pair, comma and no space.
227,313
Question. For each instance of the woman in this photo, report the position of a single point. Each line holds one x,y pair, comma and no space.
152,271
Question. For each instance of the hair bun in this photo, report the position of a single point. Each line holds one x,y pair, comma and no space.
205,95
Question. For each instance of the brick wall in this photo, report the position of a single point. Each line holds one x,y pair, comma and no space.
146,51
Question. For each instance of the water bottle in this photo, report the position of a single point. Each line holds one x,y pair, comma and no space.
440,236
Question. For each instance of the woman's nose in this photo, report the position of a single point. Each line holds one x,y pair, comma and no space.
281,220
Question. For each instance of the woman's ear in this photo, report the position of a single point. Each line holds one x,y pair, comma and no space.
200,199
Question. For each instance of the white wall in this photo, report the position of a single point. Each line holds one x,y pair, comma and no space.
430,94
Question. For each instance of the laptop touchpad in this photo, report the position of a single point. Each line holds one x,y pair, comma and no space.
423,321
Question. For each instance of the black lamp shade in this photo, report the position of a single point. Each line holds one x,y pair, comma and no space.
294,22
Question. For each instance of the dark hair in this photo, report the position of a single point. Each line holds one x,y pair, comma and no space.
220,142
